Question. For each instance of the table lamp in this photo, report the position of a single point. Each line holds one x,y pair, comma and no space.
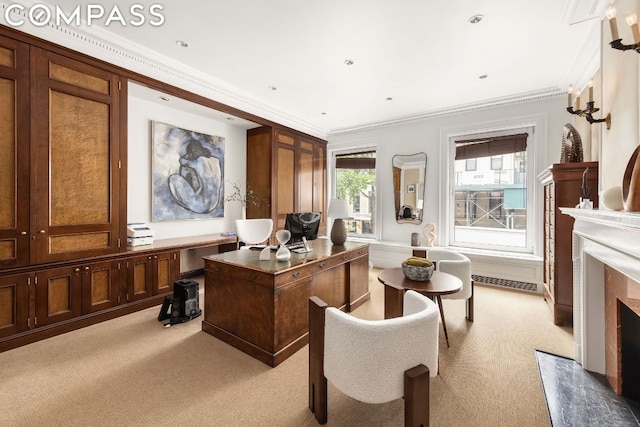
338,210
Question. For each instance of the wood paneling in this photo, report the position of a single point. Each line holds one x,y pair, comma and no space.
293,178
7,57
100,288
76,78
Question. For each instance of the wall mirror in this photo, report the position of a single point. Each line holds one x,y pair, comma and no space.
409,174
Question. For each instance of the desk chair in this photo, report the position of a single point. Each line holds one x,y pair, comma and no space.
253,231
374,361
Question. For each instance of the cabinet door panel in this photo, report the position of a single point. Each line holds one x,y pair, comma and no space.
99,286
305,182
319,182
58,294
139,277
166,271
286,187
77,153
14,153
14,304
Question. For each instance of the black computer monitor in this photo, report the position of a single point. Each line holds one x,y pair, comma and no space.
302,224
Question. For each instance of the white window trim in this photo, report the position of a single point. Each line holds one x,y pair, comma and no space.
536,127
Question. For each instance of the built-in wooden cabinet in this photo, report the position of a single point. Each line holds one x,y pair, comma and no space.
100,286
15,231
289,169
166,270
75,158
139,278
562,183
14,304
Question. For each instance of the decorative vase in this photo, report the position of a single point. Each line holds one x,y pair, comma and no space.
631,183
415,239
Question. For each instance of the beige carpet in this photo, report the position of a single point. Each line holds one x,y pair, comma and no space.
132,372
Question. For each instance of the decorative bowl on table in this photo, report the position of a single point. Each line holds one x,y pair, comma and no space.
417,268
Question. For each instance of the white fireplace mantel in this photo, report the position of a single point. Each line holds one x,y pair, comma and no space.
600,238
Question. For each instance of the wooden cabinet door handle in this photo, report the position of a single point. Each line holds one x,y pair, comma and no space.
295,274
23,233
322,264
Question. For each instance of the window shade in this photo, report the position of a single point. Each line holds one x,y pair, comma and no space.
360,160
495,146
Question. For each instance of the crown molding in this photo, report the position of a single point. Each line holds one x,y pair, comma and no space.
463,108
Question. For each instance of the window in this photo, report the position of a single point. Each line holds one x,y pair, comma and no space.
490,203
470,165
496,163
355,181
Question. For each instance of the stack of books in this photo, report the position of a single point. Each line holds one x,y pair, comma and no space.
138,234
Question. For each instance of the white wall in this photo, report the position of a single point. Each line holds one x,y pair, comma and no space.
141,113
620,97
426,136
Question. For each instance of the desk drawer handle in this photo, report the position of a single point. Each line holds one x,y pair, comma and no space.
322,264
344,257
295,274
253,277
218,268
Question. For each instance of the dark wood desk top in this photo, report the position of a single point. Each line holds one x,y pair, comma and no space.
440,283
323,248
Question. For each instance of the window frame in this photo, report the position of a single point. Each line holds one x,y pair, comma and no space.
535,126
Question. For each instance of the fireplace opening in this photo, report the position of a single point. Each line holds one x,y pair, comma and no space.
630,337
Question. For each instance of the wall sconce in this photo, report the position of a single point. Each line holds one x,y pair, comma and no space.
632,20
587,113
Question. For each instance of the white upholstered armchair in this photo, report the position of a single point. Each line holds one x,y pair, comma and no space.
374,361
457,264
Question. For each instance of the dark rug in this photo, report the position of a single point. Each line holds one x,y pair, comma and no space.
577,397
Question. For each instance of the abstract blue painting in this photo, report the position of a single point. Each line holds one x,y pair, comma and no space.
188,174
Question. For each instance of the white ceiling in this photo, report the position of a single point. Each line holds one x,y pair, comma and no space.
422,54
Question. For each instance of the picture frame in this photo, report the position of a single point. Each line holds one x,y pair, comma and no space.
187,174
411,188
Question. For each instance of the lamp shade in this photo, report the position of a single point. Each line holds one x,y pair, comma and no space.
338,208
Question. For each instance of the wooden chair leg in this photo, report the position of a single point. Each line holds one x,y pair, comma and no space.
416,396
317,380
470,305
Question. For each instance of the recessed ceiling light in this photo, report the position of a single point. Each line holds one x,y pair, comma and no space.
323,113
483,76
475,19
164,98
272,88
182,43
348,62
388,98
230,119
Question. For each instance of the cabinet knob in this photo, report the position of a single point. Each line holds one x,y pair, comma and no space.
42,231
77,270
23,233
86,269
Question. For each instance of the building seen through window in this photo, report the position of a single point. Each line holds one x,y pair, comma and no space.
491,195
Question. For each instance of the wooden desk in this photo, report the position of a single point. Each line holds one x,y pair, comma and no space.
261,307
395,284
